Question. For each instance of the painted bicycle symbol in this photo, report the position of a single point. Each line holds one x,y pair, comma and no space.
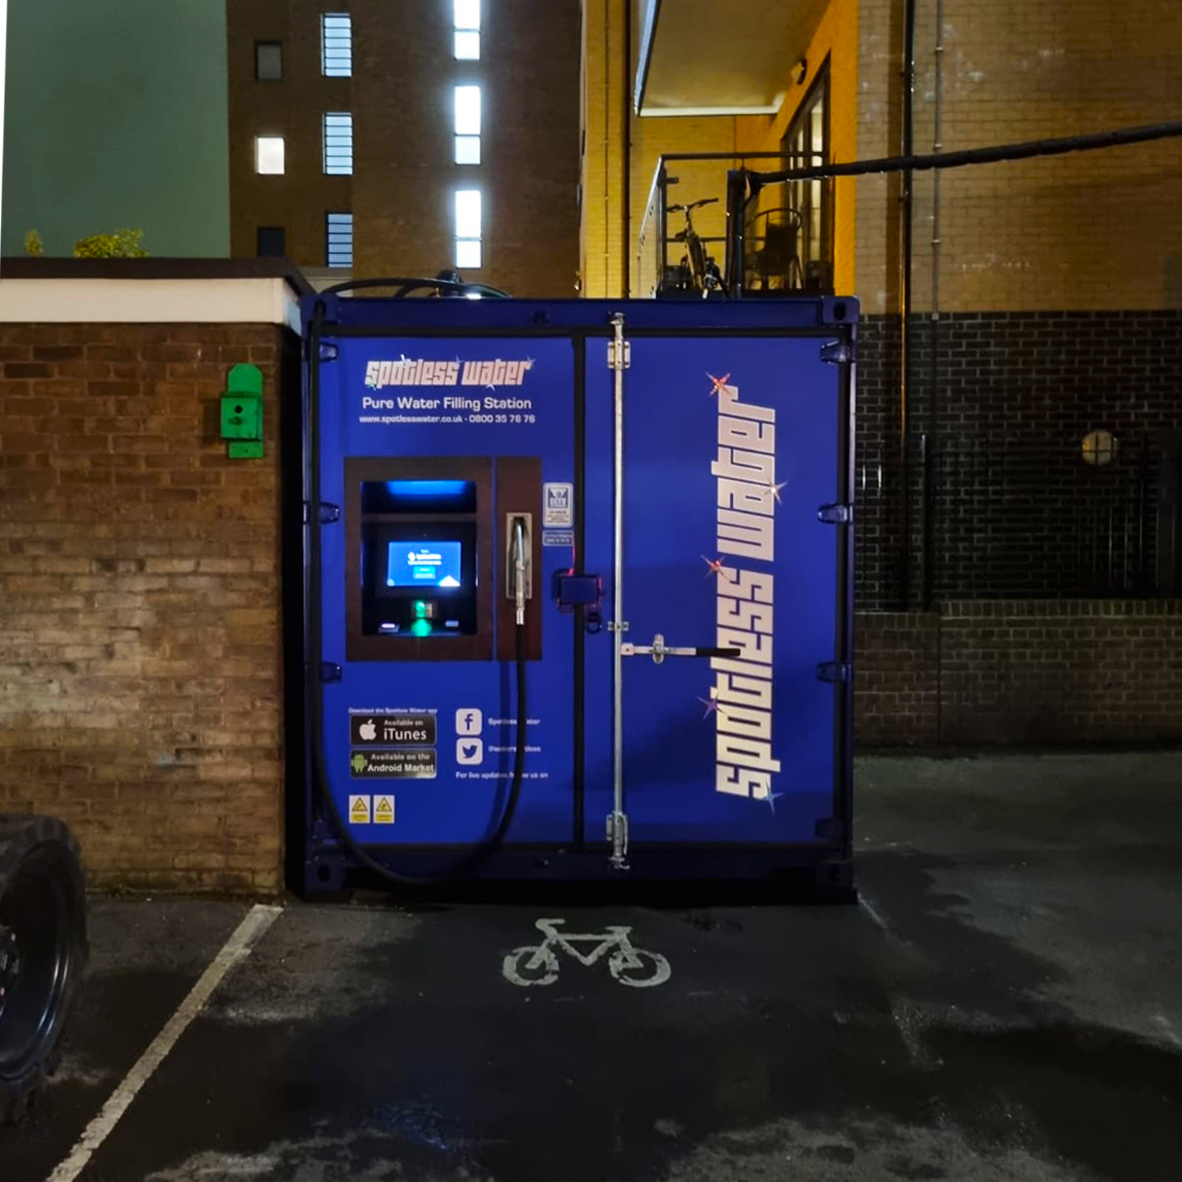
537,964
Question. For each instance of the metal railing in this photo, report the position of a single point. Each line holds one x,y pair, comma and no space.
786,239
1033,520
1027,520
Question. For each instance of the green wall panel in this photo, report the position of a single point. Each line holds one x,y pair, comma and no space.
116,115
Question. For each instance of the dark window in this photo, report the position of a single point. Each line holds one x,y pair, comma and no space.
338,233
272,242
268,61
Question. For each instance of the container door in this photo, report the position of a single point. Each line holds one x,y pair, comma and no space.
428,447
732,444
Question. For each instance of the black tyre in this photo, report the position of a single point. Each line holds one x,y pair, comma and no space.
43,952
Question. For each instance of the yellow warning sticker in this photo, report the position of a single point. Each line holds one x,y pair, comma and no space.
383,810
358,810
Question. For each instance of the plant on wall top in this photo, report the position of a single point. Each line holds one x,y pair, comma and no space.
123,244
33,244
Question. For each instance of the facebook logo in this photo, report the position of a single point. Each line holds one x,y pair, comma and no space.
469,721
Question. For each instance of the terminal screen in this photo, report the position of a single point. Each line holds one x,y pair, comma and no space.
424,564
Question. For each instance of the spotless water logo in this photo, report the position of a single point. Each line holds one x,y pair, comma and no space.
408,371
745,469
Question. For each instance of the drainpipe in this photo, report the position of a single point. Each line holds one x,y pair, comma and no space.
906,198
933,452
626,186
607,125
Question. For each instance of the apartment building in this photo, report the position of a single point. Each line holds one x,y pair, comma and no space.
376,139
1021,340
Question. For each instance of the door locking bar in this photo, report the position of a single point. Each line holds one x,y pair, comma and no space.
659,650
617,821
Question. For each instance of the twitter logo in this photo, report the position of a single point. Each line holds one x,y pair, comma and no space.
469,751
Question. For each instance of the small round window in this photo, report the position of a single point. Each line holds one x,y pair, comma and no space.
1099,448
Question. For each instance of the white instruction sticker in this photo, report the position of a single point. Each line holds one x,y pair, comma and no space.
358,810
383,810
558,504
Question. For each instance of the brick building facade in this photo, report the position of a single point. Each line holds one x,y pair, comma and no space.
1043,306
1038,302
399,91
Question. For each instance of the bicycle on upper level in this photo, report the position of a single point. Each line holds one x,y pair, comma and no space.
697,271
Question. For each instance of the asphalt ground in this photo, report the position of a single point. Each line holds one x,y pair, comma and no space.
1004,1004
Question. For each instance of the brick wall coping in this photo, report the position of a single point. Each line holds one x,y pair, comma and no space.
985,608
1025,608
150,291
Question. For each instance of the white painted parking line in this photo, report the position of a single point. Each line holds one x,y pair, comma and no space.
872,911
256,921
1168,1027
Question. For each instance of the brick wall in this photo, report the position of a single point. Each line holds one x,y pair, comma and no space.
1073,232
1016,510
877,466
140,657
405,178
1082,671
603,240
897,684
1024,671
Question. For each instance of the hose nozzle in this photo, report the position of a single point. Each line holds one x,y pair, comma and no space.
519,550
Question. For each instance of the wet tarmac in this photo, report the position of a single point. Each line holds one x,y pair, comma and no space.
1004,1004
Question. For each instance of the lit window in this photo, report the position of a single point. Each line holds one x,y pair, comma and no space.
467,110
467,149
338,143
468,213
268,61
467,14
468,228
339,240
336,43
268,155
468,254
467,21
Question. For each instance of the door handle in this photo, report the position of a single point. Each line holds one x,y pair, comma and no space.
659,650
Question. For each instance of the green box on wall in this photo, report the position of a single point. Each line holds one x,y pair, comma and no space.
242,413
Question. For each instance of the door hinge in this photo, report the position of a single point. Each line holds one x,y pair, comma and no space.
329,671
838,352
328,513
836,514
830,829
835,672
613,362
329,351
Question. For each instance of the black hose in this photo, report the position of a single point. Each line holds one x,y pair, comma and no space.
481,850
406,285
